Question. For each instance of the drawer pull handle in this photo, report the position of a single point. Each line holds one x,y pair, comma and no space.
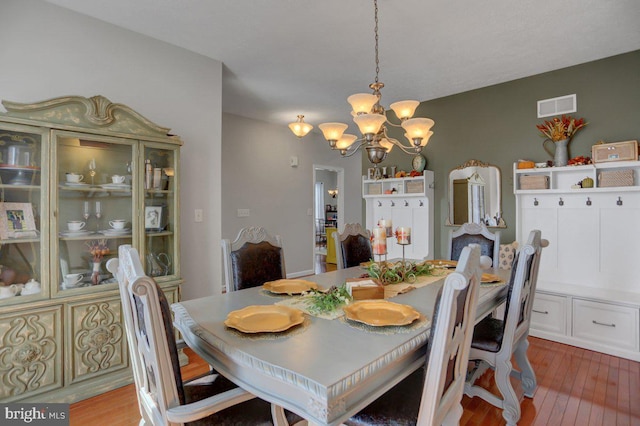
603,323
619,202
535,201
393,204
406,203
588,201
379,203
541,312
421,203
561,203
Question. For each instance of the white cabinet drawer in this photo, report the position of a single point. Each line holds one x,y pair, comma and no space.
549,313
606,323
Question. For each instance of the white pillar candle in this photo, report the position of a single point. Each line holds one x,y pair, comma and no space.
387,224
379,241
403,234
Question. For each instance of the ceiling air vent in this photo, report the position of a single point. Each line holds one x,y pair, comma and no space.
557,106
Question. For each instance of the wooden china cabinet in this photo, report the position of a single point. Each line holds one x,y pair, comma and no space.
92,162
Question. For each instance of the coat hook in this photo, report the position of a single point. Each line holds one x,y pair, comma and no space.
588,201
561,203
535,201
619,202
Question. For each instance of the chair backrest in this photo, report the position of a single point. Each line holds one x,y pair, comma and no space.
152,344
353,246
252,259
522,288
475,233
450,341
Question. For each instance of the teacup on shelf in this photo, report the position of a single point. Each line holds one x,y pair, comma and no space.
74,178
117,179
117,223
72,280
75,225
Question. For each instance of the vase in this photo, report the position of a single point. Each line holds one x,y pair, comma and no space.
560,153
95,275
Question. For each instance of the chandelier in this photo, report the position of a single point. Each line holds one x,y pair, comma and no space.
372,122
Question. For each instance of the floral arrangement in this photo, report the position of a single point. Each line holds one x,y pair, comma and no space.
98,249
326,301
393,273
561,128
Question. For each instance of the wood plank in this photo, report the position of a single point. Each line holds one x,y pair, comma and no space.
591,374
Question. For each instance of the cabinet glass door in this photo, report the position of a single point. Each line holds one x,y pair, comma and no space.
95,204
22,204
159,169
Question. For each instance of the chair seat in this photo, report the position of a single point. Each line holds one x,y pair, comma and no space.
255,412
399,406
487,335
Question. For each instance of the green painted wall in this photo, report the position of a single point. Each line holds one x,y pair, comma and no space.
496,125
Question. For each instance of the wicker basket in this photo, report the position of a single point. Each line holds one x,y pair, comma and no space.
534,182
609,178
415,187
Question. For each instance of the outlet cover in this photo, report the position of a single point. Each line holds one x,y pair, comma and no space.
244,212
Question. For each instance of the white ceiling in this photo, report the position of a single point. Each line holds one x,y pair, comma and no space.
287,57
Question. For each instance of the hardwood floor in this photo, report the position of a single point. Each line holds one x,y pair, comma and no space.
575,387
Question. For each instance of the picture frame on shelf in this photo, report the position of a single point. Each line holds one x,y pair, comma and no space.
17,221
153,218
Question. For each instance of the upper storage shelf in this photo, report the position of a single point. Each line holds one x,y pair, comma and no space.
393,187
621,176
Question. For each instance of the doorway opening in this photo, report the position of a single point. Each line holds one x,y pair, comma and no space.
328,214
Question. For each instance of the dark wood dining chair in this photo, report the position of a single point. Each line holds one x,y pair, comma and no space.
496,340
252,259
432,395
353,246
475,233
163,397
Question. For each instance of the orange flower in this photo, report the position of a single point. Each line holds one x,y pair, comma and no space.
561,128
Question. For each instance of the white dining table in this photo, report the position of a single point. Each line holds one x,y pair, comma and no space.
323,370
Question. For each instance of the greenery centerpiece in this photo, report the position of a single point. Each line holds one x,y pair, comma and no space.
322,302
403,271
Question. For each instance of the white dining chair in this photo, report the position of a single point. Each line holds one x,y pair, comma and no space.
252,259
432,395
163,397
496,340
474,233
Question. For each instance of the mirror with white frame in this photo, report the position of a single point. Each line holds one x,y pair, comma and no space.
475,195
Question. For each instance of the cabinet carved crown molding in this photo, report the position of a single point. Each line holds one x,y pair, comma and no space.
94,112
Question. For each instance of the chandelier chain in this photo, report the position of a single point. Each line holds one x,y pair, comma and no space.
375,30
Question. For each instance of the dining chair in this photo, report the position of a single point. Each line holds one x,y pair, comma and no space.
476,233
353,246
496,340
432,395
253,258
163,397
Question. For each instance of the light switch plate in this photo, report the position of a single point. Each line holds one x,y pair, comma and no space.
293,161
244,212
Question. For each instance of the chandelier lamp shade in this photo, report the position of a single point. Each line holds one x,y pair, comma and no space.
370,117
299,127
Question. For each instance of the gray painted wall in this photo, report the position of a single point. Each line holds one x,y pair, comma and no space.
256,175
49,52
497,125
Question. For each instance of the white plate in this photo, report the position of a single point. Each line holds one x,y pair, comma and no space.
115,231
75,233
115,186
